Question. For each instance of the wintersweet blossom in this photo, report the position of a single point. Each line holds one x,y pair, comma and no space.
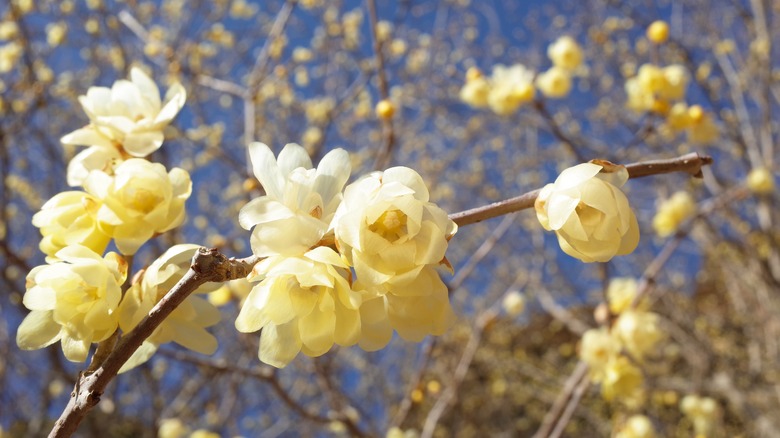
513,303
638,331
761,181
139,200
386,227
565,53
186,325
621,293
636,426
415,305
92,158
300,201
590,215
73,301
702,411
510,87
658,31
303,304
476,90
655,88
70,218
554,83
673,212
597,348
702,128
622,379
129,116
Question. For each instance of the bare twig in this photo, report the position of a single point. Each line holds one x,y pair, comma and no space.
208,265
383,157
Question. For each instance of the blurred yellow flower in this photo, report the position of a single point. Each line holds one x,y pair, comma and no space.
760,180
299,203
386,227
622,379
141,199
73,301
70,218
597,348
702,411
476,89
302,303
510,87
673,212
638,332
637,426
590,215
129,116
565,53
554,83
655,88
186,325
658,31
620,293
513,303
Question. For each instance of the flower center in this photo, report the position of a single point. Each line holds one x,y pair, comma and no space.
142,200
589,216
391,225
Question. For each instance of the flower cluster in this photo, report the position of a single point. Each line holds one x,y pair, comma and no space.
661,90
615,353
589,213
77,298
509,88
342,267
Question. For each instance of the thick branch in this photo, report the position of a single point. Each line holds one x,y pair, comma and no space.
689,163
208,265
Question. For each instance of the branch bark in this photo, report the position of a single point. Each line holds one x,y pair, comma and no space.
208,265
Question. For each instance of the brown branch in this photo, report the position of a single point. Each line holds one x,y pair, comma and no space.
689,163
565,398
208,265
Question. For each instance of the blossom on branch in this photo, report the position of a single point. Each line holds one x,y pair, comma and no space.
386,227
565,53
186,325
70,218
510,88
589,213
302,304
300,201
128,117
139,200
73,301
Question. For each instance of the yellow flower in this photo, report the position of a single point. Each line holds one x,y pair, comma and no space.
141,199
554,83
654,88
73,301
300,202
761,181
70,218
172,428
673,212
9,55
385,109
638,331
415,305
620,293
510,87
565,53
678,117
589,213
513,303
302,303
597,348
702,129
637,426
386,226
130,115
186,325
658,31
475,91
92,158
702,411
622,379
